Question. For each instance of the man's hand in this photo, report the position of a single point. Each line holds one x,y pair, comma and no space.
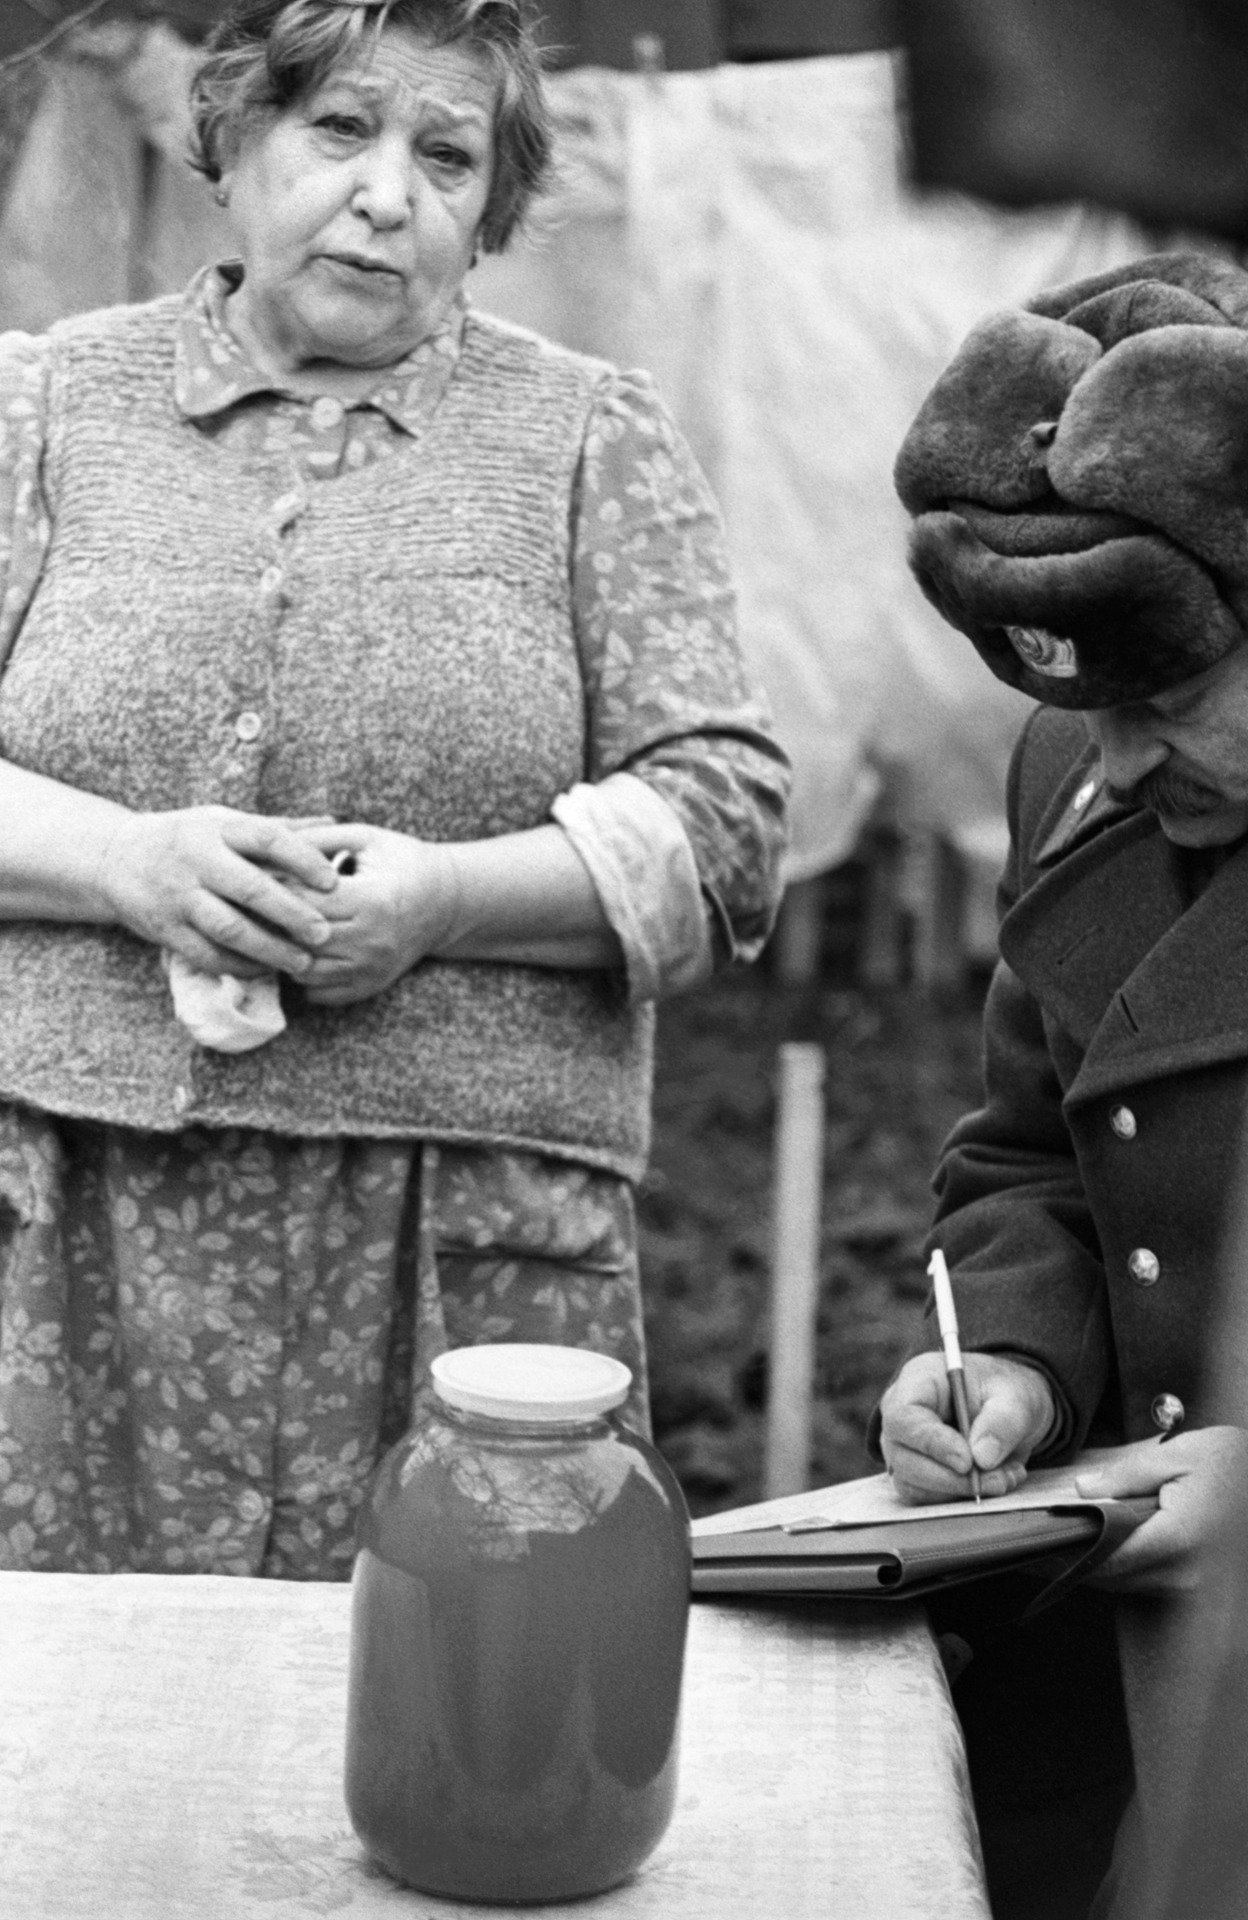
1011,1412
231,892
1198,1478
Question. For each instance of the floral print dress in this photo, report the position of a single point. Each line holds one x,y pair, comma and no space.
208,1338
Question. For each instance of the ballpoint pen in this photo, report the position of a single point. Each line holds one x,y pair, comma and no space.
947,1321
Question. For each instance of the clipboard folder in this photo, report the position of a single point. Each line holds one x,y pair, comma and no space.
906,1559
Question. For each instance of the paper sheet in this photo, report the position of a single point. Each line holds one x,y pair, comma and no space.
874,1501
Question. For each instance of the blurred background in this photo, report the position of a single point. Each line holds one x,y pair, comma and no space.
790,212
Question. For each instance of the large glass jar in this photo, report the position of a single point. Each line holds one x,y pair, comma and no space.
519,1605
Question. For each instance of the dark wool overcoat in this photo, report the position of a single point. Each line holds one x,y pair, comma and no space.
1084,1208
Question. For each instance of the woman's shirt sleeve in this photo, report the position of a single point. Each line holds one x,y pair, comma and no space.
25,527
694,881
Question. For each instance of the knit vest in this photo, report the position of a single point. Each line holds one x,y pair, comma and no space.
403,654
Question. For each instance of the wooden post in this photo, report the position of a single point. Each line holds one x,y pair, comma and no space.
797,1204
935,882
799,932
603,33
142,275
880,940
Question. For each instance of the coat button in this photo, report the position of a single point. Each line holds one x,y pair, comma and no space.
1144,1267
249,725
1168,1412
1122,1120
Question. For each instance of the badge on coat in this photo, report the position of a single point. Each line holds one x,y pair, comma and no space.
1044,652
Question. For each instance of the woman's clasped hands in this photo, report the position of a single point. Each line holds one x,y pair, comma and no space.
244,894
394,905
230,892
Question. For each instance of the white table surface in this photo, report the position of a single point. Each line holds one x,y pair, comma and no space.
171,1749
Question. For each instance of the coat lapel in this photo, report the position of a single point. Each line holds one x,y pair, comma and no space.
1186,1004
1144,986
1082,929
1081,808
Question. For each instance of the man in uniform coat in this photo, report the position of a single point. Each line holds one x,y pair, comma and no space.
1079,481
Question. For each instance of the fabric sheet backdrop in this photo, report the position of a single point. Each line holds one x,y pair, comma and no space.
745,233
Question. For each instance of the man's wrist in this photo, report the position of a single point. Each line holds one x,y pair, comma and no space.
1061,1425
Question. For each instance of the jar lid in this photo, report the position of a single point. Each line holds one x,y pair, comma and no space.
517,1380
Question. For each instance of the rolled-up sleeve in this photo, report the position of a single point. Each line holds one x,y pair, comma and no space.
24,522
642,866
669,702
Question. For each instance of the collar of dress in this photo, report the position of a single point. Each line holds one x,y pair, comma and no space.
212,371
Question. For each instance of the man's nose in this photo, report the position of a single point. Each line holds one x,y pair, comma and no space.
1129,747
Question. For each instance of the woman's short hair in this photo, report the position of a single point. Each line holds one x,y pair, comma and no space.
267,55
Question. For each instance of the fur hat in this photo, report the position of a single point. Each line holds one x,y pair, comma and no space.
1078,478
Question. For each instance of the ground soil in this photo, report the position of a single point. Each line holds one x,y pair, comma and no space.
901,1067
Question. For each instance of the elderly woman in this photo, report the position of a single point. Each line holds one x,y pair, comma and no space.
375,751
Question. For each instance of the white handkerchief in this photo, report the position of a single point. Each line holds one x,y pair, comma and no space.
222,1012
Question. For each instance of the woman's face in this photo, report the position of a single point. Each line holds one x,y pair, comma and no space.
358,208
